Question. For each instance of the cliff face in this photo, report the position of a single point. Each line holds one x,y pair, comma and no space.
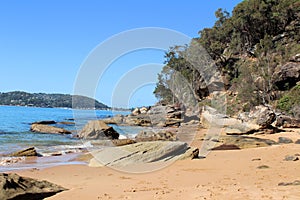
18,98
256,51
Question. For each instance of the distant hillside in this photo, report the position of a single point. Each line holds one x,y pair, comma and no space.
19,98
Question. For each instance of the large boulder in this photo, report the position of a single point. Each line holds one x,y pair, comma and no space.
263,116
13,186
41,128
287,122
286,76
97,129
26,152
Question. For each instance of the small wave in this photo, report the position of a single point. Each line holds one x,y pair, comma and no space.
7,161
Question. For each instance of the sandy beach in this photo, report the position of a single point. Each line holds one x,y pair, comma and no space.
254,173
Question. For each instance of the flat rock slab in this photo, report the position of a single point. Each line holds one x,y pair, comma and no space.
41,128
16,187
138,153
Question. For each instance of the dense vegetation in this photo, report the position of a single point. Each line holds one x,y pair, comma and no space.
49,100
246,47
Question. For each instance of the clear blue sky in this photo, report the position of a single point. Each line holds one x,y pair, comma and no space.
44,43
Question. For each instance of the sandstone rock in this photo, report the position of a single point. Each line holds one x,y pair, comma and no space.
284,140
286,76
139,153
41,128
289,183
191,153
118,119
136,111
291,158
16,187
164,135
226,147
143,110
26,152
122,142
244,142
263,167
287,122
97,129
262,116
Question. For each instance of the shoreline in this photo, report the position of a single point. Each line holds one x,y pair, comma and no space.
234,174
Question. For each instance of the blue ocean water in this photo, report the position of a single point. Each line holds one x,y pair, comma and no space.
15,124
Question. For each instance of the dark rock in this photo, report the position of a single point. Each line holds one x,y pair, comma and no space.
15,187
41,128
291,158
66,123
97,129
284,140
45,122
297,141
164,135
286,76
287,122
263,167
26,152
122,142
195,154
289,183
256,159
226,147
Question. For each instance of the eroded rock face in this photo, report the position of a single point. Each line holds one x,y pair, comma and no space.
16,187
41,128
97,129
286,76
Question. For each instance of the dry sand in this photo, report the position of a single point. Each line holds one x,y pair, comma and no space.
222,175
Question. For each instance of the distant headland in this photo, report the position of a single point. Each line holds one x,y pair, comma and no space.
20,98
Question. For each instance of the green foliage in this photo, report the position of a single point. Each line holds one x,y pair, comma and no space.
290,100
246,46
19,98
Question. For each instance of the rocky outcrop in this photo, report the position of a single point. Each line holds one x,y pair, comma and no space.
26,152
164,135
262,116
45,122
287,122
97,129
41,128
122,142
258,119
139,153
286,76
162,116
240,142
13,186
